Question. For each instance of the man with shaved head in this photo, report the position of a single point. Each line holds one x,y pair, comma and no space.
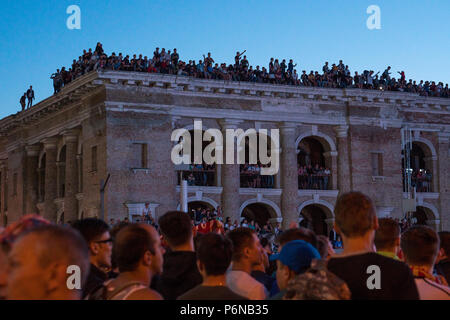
39,262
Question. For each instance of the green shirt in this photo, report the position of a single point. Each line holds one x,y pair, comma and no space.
389,254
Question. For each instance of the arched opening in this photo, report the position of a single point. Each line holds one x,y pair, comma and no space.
314,169
420,169
313,217
199,210
250,172
41,178
422,216
258,212
62,172
80,170
197,174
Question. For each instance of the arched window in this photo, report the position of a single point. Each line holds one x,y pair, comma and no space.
314,169
198,174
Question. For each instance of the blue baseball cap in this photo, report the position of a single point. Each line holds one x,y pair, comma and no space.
297,255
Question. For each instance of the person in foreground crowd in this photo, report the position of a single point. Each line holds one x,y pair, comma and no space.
299,233
39,262
213,259
246,255
317,283
294,258
443,265
325,247
259,272
387,238
139,256
420,246
96,234
7,238
356,222
180,262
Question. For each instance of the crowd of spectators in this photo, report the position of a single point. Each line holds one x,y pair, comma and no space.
135,261
421,180
251,176
313,177
279,71
199,175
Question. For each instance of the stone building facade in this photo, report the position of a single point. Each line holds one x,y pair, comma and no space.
56,156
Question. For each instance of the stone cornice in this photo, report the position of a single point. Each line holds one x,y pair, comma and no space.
70,94
271,96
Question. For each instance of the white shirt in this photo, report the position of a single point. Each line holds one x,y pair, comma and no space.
245,285
429,290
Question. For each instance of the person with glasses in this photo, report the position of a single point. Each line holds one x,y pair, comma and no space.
96,233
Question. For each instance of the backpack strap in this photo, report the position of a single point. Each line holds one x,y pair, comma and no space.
118,290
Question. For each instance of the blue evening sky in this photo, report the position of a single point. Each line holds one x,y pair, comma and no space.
35,41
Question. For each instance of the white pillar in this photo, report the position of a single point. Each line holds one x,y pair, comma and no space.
184,196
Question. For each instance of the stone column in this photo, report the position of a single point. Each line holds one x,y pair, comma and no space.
31,177
71,176
443,167
431,164
331,163
343,168
3,195
218,175
80,172
50,178
289,176
230,176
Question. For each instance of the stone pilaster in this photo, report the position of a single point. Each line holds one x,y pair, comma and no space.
71,176
443,167
31,179
230,176
343,163
431,164
3,192
289,176
50,178
331,163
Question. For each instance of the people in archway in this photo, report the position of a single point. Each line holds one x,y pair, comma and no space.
420,246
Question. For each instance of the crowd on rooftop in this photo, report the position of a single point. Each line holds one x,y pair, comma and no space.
176,258
278,71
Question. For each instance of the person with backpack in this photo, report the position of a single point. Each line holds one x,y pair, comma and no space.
294,259
139,257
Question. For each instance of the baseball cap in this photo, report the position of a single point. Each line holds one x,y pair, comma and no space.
297,255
